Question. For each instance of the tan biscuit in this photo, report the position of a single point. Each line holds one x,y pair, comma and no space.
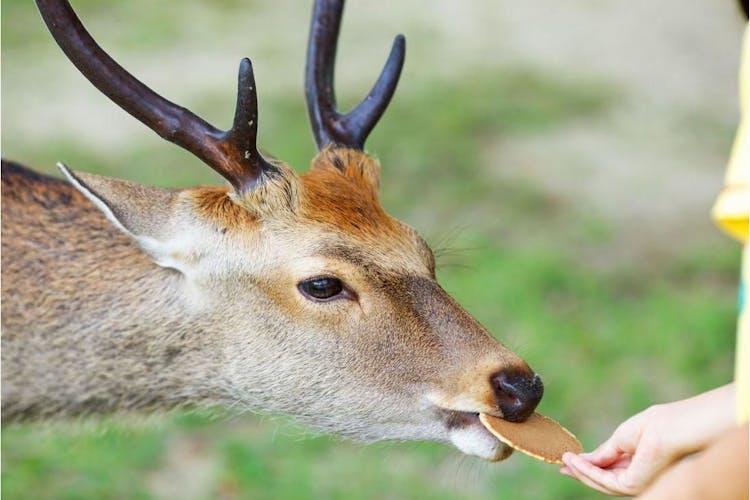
539,437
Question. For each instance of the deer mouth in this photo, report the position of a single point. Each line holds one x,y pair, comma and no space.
467,433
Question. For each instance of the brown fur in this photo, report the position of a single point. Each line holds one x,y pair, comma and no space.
83,310
92,325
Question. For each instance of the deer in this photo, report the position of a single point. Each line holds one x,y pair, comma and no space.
279,292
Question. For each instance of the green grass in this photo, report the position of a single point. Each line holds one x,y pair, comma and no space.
607,341
64,463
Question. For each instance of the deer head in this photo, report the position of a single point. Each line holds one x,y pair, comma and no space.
310,300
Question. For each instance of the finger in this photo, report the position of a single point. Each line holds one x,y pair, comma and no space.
606,453
578,467
576,474
624,440
622,463
622,459
605,479
645,465
568,467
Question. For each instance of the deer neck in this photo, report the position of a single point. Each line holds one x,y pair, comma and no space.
112,331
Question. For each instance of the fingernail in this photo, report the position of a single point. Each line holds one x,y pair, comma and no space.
573,459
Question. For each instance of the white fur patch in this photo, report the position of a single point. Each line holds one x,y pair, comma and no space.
474,440
161,252
93,198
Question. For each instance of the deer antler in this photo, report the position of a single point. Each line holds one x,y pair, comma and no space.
330,126
232,153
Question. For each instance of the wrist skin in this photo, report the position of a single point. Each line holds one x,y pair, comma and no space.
690,425
720,472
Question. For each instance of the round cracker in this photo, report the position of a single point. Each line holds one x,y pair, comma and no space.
539,437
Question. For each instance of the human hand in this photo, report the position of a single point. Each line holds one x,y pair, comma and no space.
649,442
627,462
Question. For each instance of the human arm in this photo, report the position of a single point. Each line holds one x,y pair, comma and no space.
720,472
646,444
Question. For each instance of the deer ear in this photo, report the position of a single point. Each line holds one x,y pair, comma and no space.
147,214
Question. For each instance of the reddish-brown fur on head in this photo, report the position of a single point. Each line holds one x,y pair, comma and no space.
341,190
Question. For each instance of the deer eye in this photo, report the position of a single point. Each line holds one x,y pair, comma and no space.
324,288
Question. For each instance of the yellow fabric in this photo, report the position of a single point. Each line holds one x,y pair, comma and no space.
732,207
742,356
731,212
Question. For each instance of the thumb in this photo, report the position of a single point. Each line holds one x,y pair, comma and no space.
646,463
624,440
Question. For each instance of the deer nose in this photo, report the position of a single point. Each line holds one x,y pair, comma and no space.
517,393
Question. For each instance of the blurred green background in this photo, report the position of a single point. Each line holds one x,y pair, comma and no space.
562,159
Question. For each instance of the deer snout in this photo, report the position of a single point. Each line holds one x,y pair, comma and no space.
517,393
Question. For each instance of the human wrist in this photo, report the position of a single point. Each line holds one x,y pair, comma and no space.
691,424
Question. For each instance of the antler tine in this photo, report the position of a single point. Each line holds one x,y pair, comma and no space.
232,153
330,126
